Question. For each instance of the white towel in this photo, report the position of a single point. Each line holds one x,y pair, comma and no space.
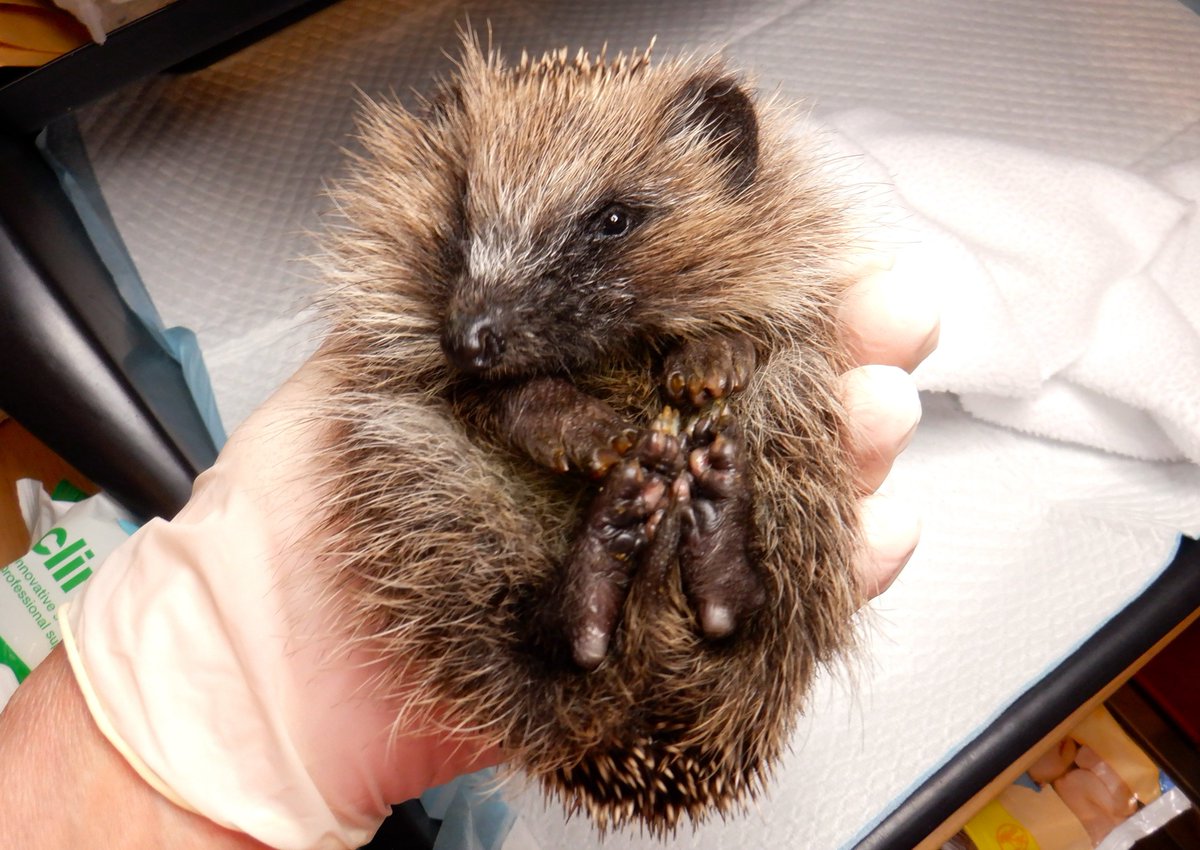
1069,288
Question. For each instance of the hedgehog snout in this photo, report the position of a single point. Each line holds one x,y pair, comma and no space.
475,343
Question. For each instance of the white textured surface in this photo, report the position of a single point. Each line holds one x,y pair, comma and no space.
1029,544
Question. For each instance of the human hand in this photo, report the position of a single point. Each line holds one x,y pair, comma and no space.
890,324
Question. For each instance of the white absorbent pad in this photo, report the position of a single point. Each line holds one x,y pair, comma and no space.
1044,159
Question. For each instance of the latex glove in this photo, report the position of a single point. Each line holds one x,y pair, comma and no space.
215,663
890,324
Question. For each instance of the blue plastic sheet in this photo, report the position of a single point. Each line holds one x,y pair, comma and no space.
63,148
473,815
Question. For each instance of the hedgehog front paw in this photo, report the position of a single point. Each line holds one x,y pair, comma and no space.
605,556
562,429
591,442
710,368
714,562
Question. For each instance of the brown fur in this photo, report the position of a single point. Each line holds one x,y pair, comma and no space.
453,539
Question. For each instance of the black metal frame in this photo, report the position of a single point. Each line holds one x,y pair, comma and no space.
80,370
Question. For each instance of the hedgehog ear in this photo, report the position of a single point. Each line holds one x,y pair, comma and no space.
724,112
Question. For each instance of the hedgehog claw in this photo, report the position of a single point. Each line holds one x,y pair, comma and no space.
659,449
710,368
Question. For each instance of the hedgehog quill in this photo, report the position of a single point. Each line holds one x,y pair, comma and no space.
590,475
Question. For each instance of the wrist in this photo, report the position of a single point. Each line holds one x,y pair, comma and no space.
55,760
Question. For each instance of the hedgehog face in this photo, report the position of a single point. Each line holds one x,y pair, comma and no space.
587,209
546,301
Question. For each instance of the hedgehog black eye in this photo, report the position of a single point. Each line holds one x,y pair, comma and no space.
614,221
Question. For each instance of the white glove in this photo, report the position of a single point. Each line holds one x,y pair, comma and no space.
214,664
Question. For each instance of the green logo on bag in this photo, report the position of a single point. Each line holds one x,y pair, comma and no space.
14,662
64,560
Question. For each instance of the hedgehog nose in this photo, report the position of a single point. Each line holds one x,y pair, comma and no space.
476,345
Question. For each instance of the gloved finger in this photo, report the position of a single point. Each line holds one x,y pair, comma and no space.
891,529
884,409
889,317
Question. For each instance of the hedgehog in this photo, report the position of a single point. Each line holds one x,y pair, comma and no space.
588,480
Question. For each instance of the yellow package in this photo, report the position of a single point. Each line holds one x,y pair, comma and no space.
1021,818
